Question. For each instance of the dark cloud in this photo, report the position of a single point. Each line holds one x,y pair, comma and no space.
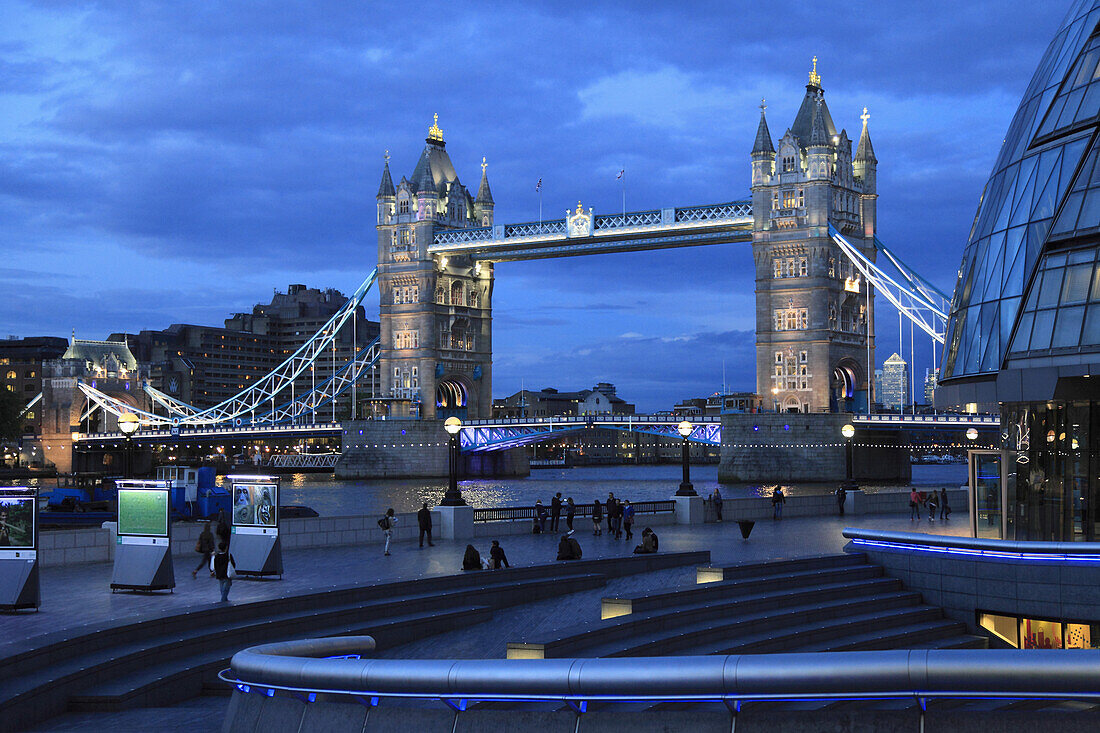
248,137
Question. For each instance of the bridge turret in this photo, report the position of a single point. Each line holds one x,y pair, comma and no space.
865,169
763,168
483,204
387,194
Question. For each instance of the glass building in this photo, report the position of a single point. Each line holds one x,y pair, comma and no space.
1024,330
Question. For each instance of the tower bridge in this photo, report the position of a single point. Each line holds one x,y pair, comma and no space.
811,224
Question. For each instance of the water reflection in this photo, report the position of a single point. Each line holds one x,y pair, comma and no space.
329,496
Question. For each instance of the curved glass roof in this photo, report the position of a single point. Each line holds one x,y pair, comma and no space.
1039,200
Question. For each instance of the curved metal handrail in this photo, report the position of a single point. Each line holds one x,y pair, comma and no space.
1044,674
989,547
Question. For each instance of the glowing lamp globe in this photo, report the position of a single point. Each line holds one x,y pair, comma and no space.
452,425
684,428
848,430
971,433
128,423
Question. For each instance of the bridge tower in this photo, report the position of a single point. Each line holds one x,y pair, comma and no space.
815,325
435,312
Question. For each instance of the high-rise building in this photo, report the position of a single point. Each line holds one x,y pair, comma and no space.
930,378
895,383
1023,335
21,363
815,325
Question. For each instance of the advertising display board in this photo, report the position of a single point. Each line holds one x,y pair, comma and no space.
18,516
255,504
143,557
143,512
19,548
255,545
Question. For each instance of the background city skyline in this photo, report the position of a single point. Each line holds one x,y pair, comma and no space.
165,164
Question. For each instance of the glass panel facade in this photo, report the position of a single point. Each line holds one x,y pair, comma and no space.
1062,310
1037,633
1035,184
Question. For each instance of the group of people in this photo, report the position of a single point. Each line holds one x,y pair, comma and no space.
497,559
215,557
620,517
557,507
933,501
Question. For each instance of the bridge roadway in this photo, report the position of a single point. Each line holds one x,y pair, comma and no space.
503,433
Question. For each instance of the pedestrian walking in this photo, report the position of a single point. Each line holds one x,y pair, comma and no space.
569,548
628,518
540,515
387,523
497,556
612,502
778,500
945,510
931,503
204,545
424,520
914,505
570,512
472,559
597,518
555,512
223,531
716,497
225,569
841,495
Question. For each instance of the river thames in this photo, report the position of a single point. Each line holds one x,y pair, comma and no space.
333,497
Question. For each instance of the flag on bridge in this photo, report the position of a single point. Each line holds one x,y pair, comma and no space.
620,174
538,186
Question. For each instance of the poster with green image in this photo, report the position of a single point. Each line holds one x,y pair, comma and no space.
143,512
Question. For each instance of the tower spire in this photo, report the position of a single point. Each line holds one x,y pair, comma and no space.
865,151
763,142
385,188
815,78
484,195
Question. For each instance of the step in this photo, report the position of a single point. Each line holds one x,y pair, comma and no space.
623,605
169,682
711,574
675,638
962,641
578,638
796,638
254,631
899,637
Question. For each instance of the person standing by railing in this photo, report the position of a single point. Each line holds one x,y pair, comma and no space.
716,497
555,512
540,516
570,512
627,510
612,503
597,518
424,520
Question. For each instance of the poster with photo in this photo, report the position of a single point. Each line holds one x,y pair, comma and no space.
255,504
17,517
143,512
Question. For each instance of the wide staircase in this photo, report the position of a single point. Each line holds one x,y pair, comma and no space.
161,661
831,603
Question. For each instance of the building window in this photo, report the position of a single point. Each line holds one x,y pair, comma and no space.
791,199
792,319
475,298
778,267
802,357
456,294
414,379
11,374
403,205
775,200
29,415
404,236
779,357
803,267
406,339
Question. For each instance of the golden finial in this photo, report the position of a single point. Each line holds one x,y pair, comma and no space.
580,209
865,117
815,78
484,165
387,157
763,106
434,133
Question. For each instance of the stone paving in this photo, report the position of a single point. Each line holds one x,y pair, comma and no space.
78,598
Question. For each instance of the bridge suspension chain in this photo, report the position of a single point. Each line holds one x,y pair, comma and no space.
918,300
261,394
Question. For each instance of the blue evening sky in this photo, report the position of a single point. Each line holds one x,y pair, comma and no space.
168,162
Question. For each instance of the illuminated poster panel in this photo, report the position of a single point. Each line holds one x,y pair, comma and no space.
18,515
143,512
255,504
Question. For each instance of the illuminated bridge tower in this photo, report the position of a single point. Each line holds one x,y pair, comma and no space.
435,313
815,326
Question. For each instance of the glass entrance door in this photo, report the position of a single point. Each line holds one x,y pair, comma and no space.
986,496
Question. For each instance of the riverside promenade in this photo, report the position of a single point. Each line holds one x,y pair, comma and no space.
76,599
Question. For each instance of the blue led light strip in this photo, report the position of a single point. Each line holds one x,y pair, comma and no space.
967,552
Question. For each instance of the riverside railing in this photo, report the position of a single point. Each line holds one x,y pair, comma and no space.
521,513
919,675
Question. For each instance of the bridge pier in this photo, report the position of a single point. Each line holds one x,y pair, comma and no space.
807,448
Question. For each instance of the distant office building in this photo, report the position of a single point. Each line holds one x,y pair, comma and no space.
718,403
549,402
930,378
895,383
878,387
204,365
21,371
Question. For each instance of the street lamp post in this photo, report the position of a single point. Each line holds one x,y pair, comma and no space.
848,431
686,489
453,497
128,424
971,434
